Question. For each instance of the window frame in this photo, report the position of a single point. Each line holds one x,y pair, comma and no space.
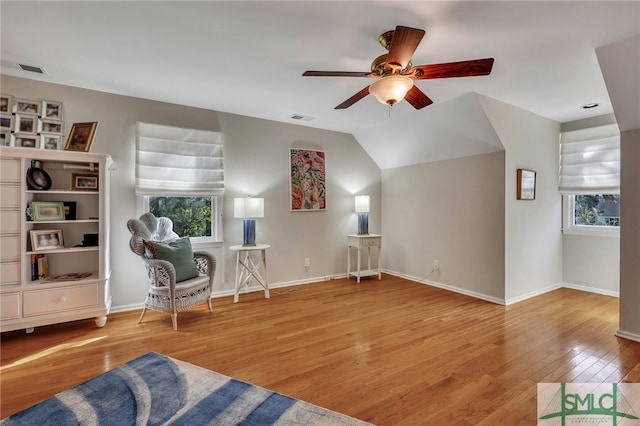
570,228
216,215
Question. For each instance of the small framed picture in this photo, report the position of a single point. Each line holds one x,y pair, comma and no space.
6,138
81,136
45,210
26,141
526,185
50,141
26,123
50,126
84,182
69,210
6,121
24,106
52,110
46,239
6,102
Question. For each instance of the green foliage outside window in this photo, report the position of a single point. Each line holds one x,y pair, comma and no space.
597,210
191,216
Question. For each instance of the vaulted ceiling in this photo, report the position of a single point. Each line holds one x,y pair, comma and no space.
248,58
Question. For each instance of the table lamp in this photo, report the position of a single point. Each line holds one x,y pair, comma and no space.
248,208
362,208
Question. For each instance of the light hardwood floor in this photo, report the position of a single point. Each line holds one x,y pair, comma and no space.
390,352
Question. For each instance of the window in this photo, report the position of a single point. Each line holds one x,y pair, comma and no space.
198,217
589,179
180,175
592,214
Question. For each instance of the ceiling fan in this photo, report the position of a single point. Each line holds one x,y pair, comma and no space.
395,73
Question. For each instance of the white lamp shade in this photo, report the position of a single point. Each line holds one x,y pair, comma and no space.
248,207
391,89
362,203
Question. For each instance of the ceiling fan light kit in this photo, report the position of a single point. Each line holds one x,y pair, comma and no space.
392,89
395,73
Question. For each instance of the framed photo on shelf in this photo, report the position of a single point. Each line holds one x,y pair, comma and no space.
26,141
46,239
50,141
52,110
6,103
26,123
526,184
81,136
24,106
6,121
84,182
69,210
50,126
6,138
46,210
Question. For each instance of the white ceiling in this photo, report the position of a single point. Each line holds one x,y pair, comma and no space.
248,58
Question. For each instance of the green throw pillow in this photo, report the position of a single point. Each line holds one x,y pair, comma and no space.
178,252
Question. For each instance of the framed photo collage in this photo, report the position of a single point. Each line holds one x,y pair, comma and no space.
31,123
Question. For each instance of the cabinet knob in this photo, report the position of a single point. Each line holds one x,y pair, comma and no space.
62,299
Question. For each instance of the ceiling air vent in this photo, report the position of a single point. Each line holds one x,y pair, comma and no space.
301,117
32,68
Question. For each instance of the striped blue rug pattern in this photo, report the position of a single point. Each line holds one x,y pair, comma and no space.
158,390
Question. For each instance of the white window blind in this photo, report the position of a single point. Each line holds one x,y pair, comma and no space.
175,161
590,160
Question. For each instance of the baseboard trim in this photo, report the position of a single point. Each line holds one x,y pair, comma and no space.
591,289
251,289
447,287
526,296
628,335
481,296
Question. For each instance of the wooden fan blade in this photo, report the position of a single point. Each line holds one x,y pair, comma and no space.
453,69
336,74
355,98
403,44
417,98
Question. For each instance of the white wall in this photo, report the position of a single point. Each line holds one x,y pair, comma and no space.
630,235
591,263
533,238
256,161
451,211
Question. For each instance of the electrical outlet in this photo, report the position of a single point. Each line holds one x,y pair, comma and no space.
307,262
436,264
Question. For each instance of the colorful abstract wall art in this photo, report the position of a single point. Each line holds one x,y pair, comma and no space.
308,179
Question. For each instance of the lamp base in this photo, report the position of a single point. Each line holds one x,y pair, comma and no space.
249,232
363,224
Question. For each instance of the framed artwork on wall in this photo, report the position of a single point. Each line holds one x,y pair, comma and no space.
307,177
526,184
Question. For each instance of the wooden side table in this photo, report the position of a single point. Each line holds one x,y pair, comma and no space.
246,268
359,242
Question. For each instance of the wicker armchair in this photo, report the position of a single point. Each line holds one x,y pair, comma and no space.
165,294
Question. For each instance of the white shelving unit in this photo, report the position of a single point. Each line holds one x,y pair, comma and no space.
27,303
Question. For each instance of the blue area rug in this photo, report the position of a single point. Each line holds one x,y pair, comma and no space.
157,390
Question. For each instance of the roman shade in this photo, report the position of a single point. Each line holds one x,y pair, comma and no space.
590,160
178,161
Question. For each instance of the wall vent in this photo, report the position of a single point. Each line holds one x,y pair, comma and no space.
32,68
301,117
